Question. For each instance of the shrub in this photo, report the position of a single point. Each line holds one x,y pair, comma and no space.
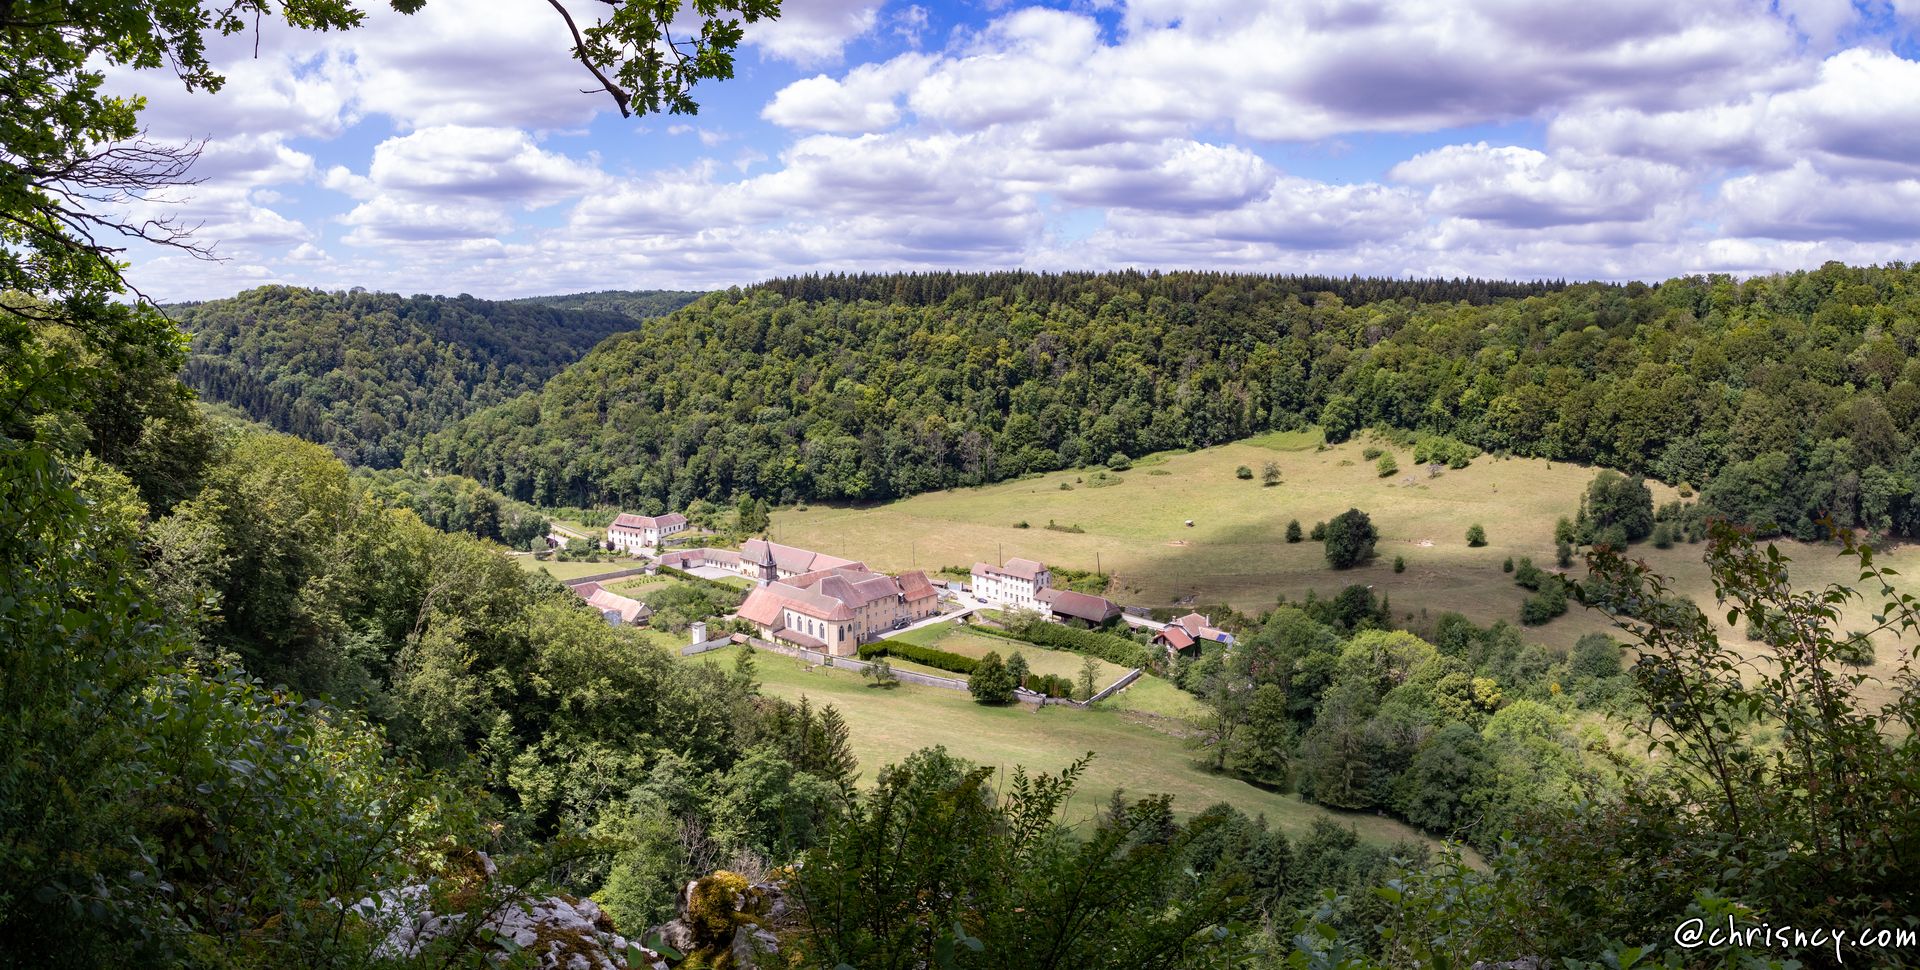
1350,537
1563,554
1293,531
991,682
1022,524
1563,530
1118,461
1549,602
881,673
1387,467
1243,473
1476,536
1065,487
1528,575
1507,567
1399,564
1663,536
1371,453
1270,473
1319,531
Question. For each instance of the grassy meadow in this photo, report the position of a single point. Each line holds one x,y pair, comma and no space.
958,639
1235,551
1132,751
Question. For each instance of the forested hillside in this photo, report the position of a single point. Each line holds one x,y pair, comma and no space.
368,374
1782,397
639,304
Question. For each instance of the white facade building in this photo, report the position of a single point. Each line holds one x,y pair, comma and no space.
635,534
1015,585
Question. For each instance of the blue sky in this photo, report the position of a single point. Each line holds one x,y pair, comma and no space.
452,151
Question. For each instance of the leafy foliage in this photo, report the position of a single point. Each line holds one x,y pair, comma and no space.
1349,539
371,374
874,387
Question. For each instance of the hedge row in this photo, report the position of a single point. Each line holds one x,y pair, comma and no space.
940,659
1055,636
1049,684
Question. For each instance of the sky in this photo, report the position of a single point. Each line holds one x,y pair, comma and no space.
454,150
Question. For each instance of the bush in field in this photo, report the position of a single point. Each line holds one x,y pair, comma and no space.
1350,537
1293,531
1476,536
1387,467
1243,473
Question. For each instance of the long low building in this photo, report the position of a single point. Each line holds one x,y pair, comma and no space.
685,559
1078,609
634,534
835,609
615,607
765,561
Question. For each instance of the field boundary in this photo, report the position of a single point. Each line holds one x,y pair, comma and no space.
816,657
603,577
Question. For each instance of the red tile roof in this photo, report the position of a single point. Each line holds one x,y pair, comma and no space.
1175,637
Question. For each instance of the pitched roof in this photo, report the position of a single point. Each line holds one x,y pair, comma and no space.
1080,606
797,638
679,557
1175,637
790,559
628,520
1193,622
1025,569
914,585
608,601
763,606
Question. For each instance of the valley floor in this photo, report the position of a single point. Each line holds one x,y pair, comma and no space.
1135,740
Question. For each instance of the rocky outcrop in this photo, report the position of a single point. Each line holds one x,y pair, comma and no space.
728,923
560,932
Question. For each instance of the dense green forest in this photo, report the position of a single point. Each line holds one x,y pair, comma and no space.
1780,397
638,304
256,713
370,374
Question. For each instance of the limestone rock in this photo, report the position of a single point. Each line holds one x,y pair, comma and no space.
563,933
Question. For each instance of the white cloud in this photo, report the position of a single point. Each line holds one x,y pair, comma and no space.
499,165
1525,188
1804,203
814,32
867,99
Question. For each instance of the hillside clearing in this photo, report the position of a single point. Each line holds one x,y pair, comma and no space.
1235,552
